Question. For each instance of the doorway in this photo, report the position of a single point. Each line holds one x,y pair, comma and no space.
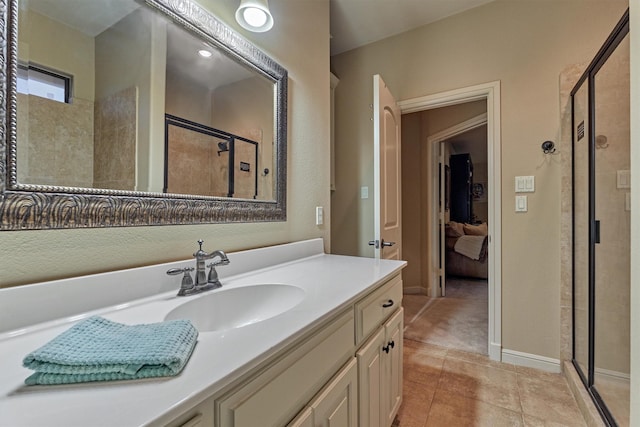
490,94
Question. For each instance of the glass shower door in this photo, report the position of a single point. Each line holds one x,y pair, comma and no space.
601,227
613,246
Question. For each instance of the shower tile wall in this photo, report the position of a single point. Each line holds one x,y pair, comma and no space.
114,164
195,166
568,79
55,142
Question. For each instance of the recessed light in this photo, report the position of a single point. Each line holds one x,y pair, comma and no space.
205,53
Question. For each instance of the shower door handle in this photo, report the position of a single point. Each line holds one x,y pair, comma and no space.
596,238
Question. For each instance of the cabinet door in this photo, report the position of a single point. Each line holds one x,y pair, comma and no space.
305,419
392,368
369,380
337,405
276,395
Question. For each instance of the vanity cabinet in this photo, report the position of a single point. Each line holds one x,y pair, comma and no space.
380,374
347,372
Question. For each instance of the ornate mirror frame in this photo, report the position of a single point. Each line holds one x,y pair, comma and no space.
39,207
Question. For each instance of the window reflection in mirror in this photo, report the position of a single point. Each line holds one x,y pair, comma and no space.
129,68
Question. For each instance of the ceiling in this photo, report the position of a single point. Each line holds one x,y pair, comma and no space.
94,17
88,17
355,23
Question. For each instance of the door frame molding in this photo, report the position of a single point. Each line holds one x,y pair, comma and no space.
491,93
433,144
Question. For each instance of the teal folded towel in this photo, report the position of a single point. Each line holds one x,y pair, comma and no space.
97,349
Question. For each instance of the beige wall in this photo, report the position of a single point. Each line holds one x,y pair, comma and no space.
300,42
187,99
70,51
525,45
144,62
414,221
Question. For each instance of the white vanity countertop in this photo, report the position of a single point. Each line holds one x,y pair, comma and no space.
331,284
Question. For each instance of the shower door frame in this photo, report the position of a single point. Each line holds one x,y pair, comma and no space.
618,34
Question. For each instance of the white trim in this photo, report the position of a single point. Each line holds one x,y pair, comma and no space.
531,361
614,375
491,92
452,97
462,127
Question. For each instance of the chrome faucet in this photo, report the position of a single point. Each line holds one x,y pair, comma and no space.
203,281
212,279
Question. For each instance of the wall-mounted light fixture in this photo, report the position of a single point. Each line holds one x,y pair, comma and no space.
254,15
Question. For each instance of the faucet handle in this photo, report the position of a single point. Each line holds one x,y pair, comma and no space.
187,281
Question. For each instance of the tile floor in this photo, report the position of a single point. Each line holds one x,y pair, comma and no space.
447,386
457,321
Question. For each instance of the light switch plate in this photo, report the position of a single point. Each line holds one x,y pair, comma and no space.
319,215
364,192
521,203
525,184
623,179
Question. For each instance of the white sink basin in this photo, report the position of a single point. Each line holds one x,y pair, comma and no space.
238,307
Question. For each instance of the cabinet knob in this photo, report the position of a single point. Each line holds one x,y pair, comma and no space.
388,304
386,349
392,344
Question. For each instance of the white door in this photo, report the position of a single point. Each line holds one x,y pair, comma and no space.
387,195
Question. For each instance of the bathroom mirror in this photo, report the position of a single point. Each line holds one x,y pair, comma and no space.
124,113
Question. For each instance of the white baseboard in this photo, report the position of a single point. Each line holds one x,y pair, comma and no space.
531,361
495,351
614,375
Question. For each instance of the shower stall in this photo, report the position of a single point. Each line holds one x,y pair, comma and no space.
601,227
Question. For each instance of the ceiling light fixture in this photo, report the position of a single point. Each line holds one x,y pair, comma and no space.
205,53
254,15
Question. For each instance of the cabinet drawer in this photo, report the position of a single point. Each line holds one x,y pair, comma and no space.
275,396
375,308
